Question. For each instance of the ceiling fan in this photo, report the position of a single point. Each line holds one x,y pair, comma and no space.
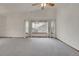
43,5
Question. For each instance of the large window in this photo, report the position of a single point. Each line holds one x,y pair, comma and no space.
39,27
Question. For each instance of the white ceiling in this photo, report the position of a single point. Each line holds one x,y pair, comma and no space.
18,8
24,7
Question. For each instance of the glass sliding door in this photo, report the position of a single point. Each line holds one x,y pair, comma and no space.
39,28
26,28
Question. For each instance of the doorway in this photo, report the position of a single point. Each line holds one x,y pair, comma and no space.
41,28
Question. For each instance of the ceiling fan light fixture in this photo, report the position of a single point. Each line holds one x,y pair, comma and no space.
43,4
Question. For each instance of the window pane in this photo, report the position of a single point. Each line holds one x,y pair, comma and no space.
27,27
40,27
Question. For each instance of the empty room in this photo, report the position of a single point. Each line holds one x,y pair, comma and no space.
39,29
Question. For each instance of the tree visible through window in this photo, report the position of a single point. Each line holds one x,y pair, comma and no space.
39,27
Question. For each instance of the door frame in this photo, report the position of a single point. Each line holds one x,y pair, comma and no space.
30,27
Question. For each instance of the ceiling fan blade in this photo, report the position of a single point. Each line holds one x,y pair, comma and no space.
46,5
35,4
50,4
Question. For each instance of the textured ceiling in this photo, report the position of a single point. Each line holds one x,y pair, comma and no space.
25,7
17,8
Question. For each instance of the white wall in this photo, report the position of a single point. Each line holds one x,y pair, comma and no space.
13,25
68,24
47,12
2,25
